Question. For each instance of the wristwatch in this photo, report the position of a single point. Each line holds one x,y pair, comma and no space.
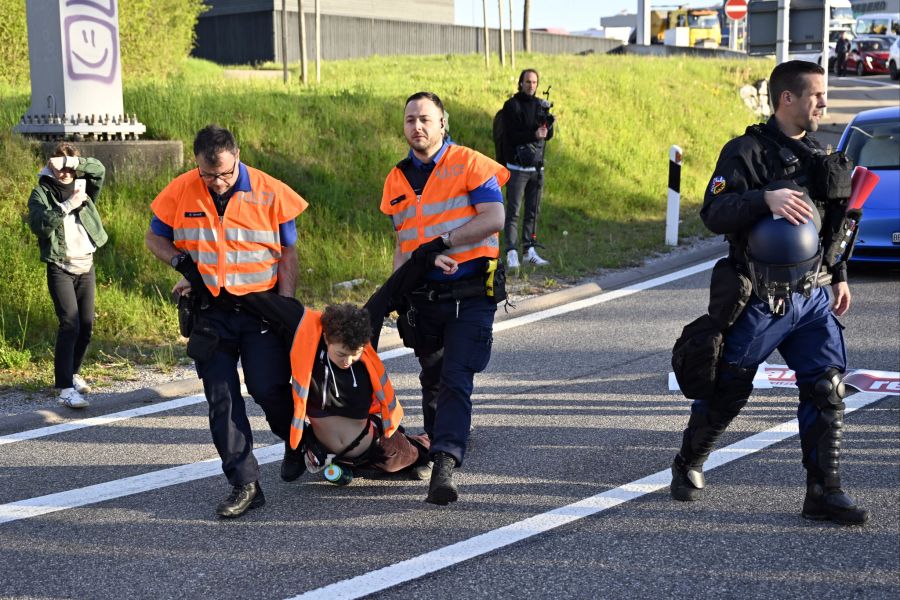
176,260
446,238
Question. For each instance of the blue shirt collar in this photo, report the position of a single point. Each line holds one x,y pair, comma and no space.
243,182
437,157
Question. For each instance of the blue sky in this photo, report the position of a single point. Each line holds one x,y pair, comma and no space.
573,15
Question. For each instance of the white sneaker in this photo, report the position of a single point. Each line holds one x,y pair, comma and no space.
531,256
71,398
81,386
512,259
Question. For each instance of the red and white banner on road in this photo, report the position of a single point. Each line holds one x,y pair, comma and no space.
780,376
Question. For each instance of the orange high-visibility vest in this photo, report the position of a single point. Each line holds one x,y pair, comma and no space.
303,354
239,251
444,203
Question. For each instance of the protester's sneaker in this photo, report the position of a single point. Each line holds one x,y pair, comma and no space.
71,398
531,257
512,259
423,472
81,386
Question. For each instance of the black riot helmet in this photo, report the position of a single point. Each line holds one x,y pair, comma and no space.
784,258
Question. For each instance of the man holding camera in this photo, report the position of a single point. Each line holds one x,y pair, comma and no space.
527,125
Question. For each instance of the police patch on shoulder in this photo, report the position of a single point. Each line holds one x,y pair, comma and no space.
718,185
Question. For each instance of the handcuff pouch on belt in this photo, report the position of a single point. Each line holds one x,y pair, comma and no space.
698,351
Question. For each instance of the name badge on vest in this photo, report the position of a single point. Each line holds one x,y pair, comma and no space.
399,198
195,214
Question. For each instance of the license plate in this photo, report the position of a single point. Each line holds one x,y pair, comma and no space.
895,237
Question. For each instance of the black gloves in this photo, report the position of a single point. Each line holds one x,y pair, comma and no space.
187,267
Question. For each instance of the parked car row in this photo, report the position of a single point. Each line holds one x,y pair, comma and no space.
869,54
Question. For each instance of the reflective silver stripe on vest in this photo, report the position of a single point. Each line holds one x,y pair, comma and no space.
386,423
437,208
403,215
207,258
490,242
252,235
407,235
379,395
245,256
210,280
436,230
249,278
194,234
300,390
297,423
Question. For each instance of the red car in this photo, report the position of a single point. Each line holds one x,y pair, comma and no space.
868,54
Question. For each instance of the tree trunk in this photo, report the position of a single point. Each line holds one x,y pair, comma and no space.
512,38
500,31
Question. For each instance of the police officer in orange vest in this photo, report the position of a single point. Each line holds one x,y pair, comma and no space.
452,192
229,230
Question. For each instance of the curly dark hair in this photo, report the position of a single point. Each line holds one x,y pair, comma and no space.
347,324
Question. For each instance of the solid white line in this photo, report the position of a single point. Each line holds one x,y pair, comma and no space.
416,567
118,488
101,420
385,356
858,80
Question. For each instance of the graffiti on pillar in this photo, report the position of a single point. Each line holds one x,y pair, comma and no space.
91,41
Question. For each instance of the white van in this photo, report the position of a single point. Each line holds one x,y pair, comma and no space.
878,24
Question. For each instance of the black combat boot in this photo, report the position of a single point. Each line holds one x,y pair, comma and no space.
821,444
241,499
442,490
702,432
831,504
293,464
687,481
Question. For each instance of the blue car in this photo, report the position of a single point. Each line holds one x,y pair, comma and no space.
872,140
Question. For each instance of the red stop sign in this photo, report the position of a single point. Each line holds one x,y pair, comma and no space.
736,9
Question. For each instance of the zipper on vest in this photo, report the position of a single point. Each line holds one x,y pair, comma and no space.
222,252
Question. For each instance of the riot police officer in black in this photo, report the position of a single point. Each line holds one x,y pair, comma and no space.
771,187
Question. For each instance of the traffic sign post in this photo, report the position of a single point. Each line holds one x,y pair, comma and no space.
735,10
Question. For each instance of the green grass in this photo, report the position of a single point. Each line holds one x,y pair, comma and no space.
603,206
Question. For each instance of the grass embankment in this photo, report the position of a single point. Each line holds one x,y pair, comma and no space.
603,206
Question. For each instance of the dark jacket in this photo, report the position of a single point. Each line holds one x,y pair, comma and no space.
734,200
522,115
45,216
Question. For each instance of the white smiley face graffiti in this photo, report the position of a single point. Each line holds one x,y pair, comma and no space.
92,49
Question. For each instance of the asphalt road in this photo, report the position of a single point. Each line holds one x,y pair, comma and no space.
574,409
563,490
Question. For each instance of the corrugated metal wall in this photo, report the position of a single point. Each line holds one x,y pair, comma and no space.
256,37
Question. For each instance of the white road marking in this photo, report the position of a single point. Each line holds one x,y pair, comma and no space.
430,562
101,420
385,356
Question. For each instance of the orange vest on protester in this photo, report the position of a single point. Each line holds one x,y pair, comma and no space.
444,203
303,354
240,251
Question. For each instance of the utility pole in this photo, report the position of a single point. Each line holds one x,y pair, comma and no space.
487,39
782,42
303,75
318,44
500,30
512,38
284,58
526,28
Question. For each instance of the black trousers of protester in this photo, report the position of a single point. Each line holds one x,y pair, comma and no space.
530,186
267,372
73,300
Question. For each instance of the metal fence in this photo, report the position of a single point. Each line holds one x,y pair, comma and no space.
256,37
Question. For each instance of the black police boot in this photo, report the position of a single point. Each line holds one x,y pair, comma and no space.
442,490
832,504
241,499
687,481
293,464
700,436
